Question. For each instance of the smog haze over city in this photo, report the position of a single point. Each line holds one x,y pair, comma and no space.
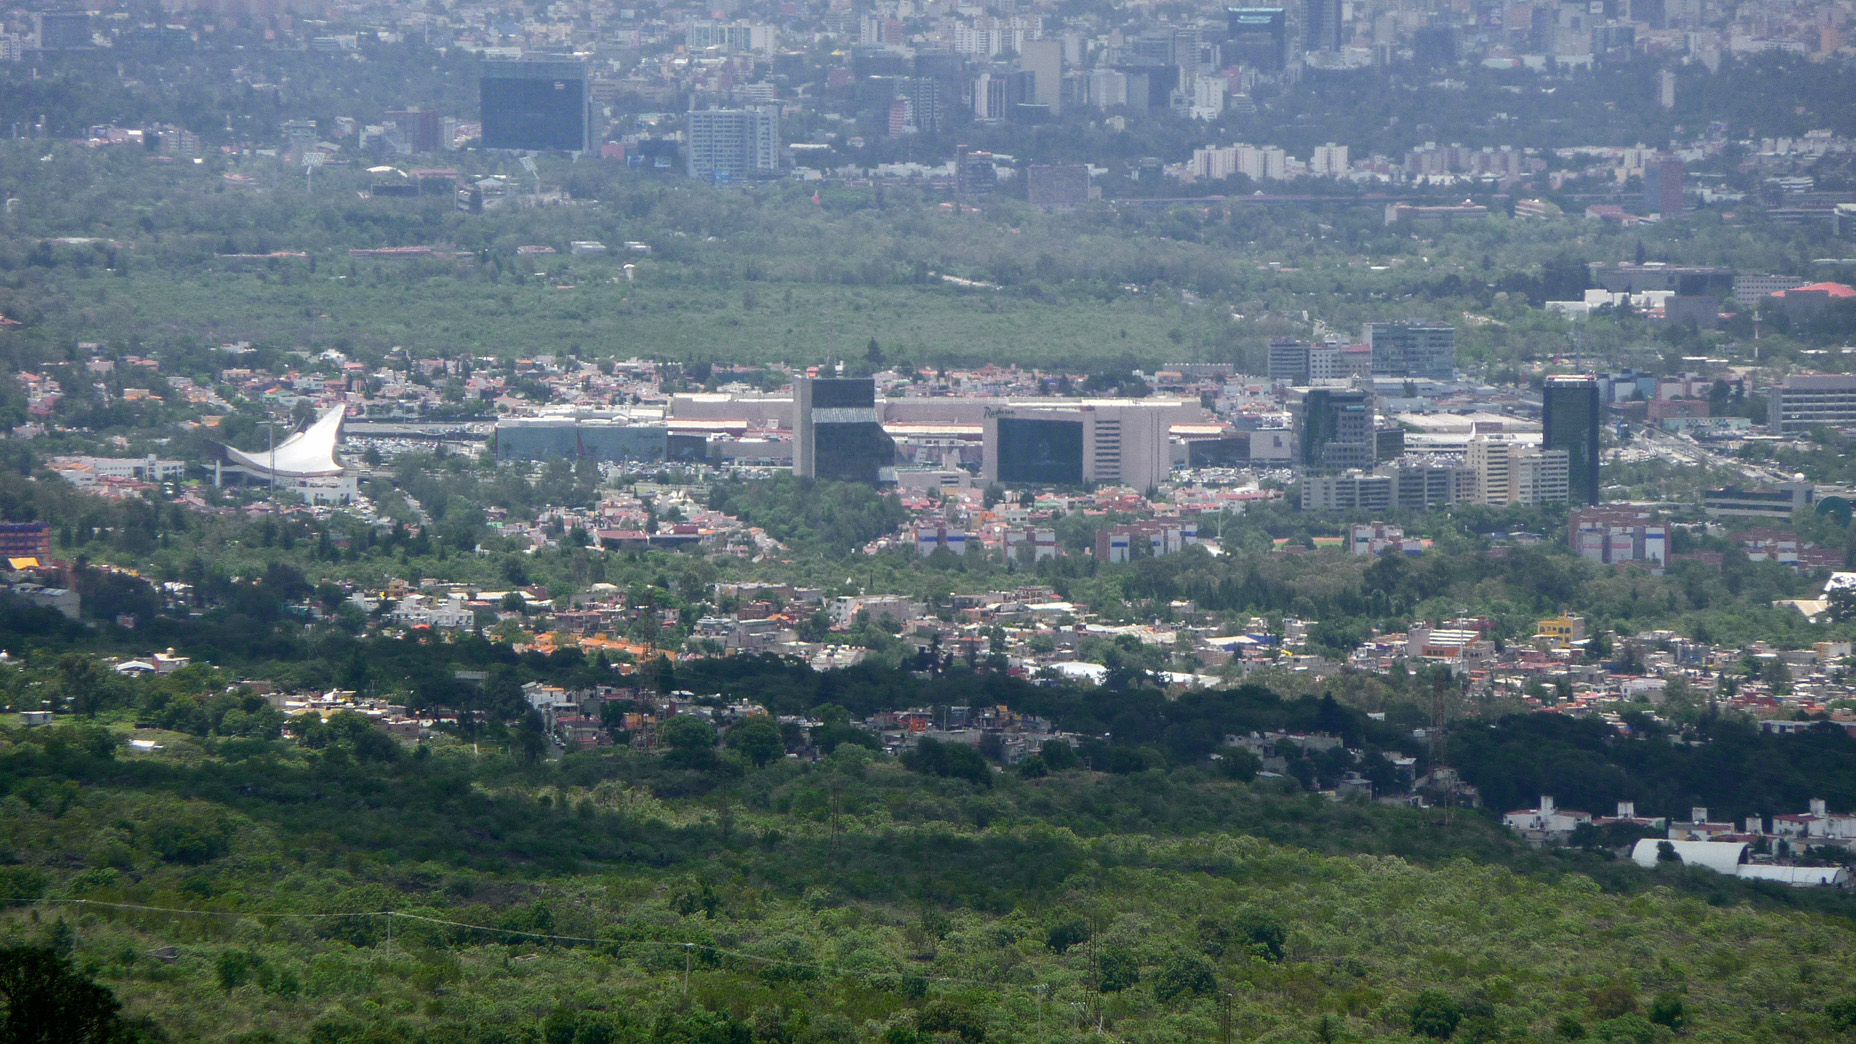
927,522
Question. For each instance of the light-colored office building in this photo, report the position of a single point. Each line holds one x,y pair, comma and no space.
1803,402
1510,470
1106,442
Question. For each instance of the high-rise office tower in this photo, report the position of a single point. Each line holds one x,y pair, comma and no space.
973,173
1334,429
1434,46
1569,417
63,30
1044,60
1257,38
1413,349
1321,25
1288,361
728,144
836,433
1662,187
536,104
1187,43
418,129
924,94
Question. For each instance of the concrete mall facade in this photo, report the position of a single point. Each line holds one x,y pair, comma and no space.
841,429
1105,442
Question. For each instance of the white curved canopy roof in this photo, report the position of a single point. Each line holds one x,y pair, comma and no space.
1722,857
310,452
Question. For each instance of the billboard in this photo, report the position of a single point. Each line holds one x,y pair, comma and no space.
1040,452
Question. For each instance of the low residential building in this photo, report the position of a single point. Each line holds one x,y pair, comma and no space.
452,614
63,599
1561,631
1627,816
897,608
1447,643
1374,538
1030,543
1699,827
929,539
1161,536
85,472
1616,536
1546,821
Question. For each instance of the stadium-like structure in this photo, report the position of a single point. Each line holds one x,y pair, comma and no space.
304,463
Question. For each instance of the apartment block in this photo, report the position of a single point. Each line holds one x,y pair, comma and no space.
1619,536
1161,536
1509,471
1352,491
1373,538
1806,401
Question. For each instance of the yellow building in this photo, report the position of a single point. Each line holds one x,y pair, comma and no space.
1561,631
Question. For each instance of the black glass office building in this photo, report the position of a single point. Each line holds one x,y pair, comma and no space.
1040,452
1569,418
536,105
1257,38
837,435
1321,25
1334,430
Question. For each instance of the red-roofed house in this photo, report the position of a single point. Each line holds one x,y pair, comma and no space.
1810,301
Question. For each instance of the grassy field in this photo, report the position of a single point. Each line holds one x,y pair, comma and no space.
380,307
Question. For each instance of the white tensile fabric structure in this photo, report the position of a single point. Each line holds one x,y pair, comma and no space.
309,453
1723,857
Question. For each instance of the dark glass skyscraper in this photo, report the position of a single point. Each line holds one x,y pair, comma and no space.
1257,37
1569,420
837,435
536,104
1321,25
1334,429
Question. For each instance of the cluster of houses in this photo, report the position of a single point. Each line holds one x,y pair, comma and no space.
1758,847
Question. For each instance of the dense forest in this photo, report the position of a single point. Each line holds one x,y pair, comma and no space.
254,890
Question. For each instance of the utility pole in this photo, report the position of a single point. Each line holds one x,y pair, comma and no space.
687,947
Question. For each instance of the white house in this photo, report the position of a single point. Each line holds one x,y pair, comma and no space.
421,611
1546,820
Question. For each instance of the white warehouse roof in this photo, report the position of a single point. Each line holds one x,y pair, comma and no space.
1722,857
1799,876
